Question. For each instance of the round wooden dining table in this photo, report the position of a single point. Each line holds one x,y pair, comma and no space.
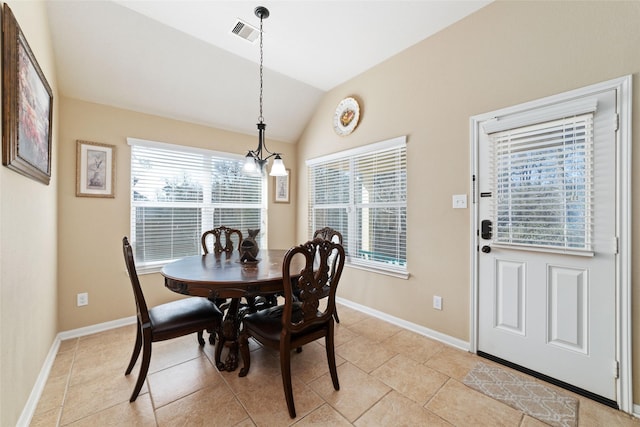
221,277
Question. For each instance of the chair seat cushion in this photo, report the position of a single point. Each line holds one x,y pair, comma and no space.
194,313
269,321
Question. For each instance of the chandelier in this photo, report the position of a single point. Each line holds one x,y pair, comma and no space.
256,160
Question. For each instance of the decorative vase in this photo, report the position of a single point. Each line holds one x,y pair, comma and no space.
249,247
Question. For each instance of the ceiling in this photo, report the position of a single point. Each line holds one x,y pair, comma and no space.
179,59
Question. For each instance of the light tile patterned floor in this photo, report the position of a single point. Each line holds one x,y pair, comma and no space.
388,377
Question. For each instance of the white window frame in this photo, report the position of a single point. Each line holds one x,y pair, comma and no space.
396,270
206,223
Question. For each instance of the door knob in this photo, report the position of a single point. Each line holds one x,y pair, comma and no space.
486,249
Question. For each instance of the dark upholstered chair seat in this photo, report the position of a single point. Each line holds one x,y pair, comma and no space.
270,322
181,317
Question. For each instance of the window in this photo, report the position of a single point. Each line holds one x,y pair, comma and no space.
543,181
363,194
179,192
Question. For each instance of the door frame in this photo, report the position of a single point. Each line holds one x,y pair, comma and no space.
623,351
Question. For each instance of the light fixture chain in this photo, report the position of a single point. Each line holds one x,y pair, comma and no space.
261,118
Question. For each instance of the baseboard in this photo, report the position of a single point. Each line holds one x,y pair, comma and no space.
36,392
100,327
636,410
429,333
38,387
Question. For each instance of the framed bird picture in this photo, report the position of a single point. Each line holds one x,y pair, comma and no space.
95,169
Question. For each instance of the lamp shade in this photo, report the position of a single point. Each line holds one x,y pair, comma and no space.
278,169
249,164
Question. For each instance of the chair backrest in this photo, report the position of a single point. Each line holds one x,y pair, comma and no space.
328,233
311,284
219,245
141,304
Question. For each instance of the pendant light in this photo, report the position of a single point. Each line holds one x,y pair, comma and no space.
254,160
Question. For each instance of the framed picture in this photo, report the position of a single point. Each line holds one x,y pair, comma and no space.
281,188
95,169
27,106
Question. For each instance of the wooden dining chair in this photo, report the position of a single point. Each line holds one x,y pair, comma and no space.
165,321
220,243
328,233
223,242
300,320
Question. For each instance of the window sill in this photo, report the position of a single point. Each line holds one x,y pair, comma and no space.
400,274
150,269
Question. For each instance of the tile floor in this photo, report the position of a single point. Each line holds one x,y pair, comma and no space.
388,377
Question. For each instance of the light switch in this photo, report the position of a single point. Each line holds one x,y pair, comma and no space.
459,201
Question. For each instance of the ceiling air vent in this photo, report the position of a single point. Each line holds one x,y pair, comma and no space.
246,31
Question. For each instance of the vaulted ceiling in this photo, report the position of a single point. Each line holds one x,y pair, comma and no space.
181,60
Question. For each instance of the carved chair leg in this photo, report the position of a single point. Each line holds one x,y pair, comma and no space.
244,352
144,367
200,338
136,350
285,368
331,357
335,315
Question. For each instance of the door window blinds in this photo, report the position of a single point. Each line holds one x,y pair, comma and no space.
177,193
543,184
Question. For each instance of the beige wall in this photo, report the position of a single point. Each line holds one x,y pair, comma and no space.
28,256
505,54
91,229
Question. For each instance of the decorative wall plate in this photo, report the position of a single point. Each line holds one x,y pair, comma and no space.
346,117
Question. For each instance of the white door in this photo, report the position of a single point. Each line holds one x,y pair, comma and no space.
547,241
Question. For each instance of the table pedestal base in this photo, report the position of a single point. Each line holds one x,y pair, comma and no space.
229,337
230,330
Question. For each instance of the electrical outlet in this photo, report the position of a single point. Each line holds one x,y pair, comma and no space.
437,302
82,299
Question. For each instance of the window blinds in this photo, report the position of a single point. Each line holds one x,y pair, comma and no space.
543,184
362,194
177,193
329,199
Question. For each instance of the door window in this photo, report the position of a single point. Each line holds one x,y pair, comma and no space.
543,184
